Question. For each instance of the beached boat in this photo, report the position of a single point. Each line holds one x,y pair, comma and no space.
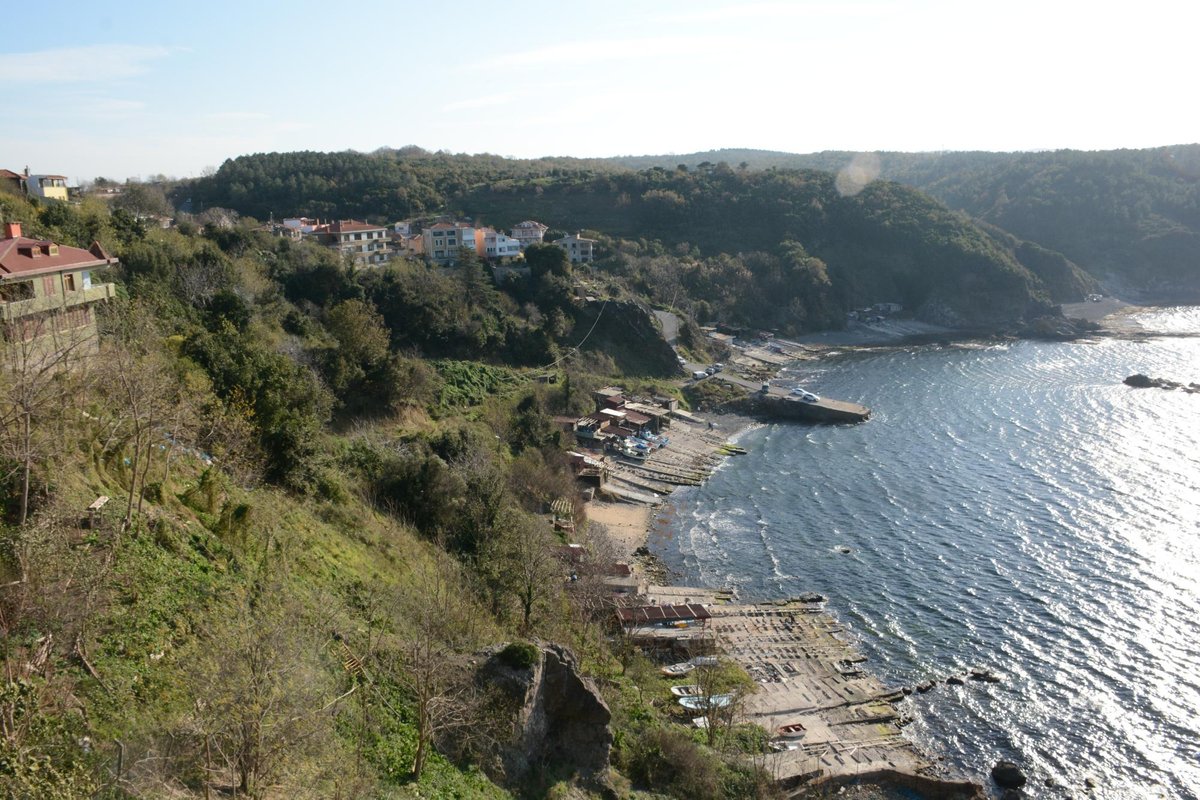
688,690
793,731
678,670
702,703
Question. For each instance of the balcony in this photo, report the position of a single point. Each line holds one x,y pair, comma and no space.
22,308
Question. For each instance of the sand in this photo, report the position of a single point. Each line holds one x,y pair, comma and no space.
627,524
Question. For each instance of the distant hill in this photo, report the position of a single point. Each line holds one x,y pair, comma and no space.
1130,218
807,249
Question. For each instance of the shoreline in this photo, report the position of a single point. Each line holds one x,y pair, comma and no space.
631,524
821,691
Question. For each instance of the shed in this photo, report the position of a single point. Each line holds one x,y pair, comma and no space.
655,615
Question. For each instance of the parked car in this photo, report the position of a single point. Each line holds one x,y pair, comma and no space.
698,374
805,395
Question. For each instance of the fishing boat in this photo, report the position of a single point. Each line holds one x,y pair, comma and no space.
688,690
702,703
678,670
793,731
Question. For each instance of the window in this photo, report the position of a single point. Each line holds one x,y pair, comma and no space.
69,282
10,292
50,285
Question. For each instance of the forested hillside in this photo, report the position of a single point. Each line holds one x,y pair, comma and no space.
1128,217
782,248
382,187
328,494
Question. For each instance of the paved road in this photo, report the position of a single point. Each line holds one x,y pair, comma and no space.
670,325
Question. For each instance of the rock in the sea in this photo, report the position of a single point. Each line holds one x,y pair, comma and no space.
1140,381
925,686
811,597
954,680
986,676
1008,775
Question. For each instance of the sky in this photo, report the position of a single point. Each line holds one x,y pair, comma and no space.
136,89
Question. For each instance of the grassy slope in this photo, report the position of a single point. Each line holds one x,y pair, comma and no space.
173,585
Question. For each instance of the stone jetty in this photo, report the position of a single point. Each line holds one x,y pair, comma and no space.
831,721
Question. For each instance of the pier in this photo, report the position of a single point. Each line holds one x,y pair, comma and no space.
779,404
830,720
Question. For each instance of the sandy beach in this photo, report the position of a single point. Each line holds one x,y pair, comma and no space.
627,524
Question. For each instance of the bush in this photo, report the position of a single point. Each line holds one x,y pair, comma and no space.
519,655
667,758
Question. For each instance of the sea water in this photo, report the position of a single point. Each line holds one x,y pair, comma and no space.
1007,506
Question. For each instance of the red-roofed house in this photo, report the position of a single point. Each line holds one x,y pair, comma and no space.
12,181
47,289
366,244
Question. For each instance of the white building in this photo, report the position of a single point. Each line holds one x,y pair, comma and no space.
579,250
47,187
529,232
497,246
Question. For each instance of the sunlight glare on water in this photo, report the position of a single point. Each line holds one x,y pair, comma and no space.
1013,507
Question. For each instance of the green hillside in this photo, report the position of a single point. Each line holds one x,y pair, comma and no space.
327,506
785,249
1130,218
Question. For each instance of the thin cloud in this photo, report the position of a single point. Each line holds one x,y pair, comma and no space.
593,52
776,11
90,63
236,116
486,101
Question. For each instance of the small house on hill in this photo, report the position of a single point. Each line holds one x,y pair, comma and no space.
47,291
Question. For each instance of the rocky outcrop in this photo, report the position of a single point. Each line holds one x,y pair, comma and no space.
627,332
561,721
1140,381
1008,775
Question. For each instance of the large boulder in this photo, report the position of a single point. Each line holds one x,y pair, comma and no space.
1008,775
560,718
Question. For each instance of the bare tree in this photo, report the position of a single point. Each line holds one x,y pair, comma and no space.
440,624
43,370
261,716
149,397
723,688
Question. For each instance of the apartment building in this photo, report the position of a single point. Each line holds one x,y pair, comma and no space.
579,250
366,244
529,232
498,247
442,241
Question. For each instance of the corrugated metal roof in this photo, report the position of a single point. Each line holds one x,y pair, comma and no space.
649,614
